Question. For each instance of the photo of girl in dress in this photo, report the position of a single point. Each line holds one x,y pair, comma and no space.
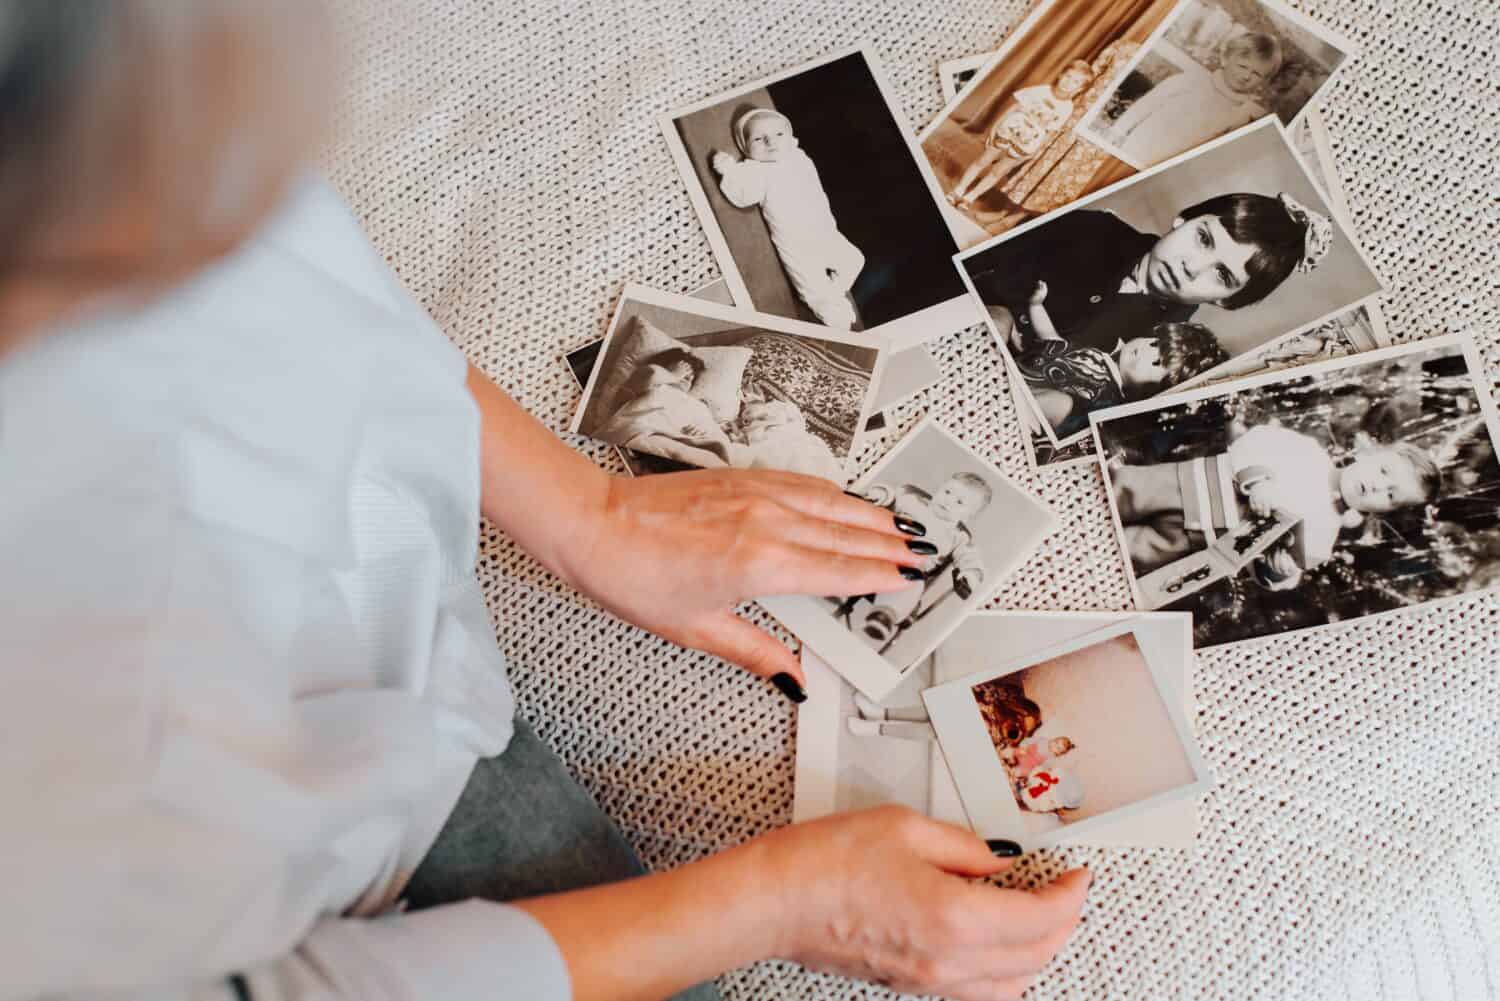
1164,279
817,205
1063,57
1219,65
1315,495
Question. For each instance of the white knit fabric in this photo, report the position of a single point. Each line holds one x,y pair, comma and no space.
505,157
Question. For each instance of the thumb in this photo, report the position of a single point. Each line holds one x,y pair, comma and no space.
726,635
958,850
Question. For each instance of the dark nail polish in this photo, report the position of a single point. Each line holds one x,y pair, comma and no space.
790,687
851,493
910,527
921,548
1001,848
911,573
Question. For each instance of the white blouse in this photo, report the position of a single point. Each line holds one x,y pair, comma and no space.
246,665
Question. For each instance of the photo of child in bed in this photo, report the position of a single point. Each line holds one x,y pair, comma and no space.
662,416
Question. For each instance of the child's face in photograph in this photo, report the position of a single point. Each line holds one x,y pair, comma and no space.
1140,362
1198,262
1379,480
757,420
1247,73
956,500
1059,746
768,138
1071,82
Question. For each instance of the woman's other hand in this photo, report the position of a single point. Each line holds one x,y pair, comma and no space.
889,895
675,553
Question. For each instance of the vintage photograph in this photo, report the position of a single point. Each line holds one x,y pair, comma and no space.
1318,495
817,204
1162,280
1217,66
1052,743
854,753
711,386
981,526
1006,150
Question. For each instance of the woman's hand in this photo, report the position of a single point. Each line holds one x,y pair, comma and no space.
888,895
675,553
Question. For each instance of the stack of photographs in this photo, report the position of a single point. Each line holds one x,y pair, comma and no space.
1043,728
1139,204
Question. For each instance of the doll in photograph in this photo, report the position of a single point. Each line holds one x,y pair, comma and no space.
1068,383
774,173
1194,106
880,618
1172,509
1034,116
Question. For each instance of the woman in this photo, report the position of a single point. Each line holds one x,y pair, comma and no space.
252,696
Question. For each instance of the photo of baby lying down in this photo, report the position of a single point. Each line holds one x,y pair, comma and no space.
709,386
1083,732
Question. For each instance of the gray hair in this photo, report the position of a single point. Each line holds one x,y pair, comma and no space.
192,109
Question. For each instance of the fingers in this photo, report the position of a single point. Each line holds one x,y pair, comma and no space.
788,569
812,532
1019,916
731,638
821,499
953,849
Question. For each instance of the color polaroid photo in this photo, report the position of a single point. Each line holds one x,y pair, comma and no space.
1058,744
818,205
854,753
1316,495
1161,281
712,386
1214,66
983,527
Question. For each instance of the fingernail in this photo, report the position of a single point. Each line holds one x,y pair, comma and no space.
1001,848
910,527
911,573
921,548
790,687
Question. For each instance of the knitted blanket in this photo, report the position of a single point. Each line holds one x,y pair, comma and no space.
506,159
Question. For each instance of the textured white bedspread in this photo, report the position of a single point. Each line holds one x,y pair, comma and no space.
506,159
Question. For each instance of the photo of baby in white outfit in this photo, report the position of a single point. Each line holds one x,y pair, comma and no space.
774,173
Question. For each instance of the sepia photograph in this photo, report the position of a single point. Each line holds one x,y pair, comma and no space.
1159,282
979,525
1217,66
818,205
853,753
711,386
1055,743
1006,150
1317,495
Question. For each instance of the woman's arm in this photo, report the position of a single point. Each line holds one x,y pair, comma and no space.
882,895
674,553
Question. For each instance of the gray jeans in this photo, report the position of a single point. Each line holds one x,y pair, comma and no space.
523,828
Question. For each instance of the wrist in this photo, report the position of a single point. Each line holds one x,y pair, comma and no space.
584,525
779,899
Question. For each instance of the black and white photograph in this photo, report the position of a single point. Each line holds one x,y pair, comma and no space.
1051,745
1317,495
980,527
1217,66
1159,282
711,386
817,204
853,753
